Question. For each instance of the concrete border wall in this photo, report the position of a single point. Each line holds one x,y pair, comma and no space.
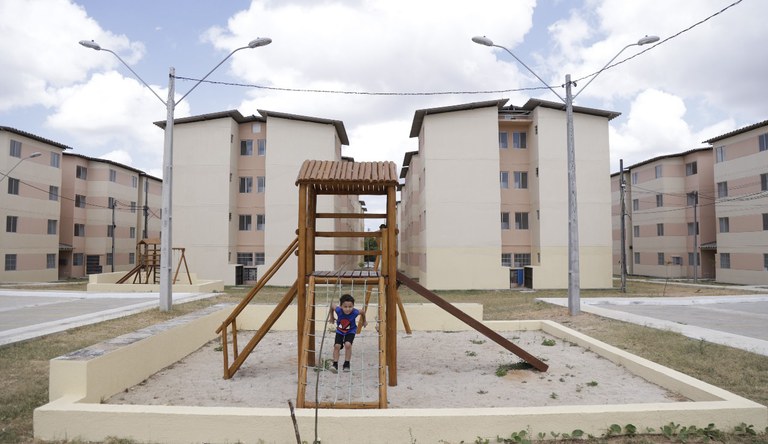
79,381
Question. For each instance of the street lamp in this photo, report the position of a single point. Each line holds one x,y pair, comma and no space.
31,156
166,255
573,224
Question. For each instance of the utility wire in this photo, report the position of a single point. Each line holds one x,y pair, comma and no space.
445,93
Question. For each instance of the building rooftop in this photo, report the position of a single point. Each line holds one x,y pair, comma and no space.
738,131
32,136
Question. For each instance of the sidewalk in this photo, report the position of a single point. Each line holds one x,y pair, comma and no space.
26,314
736,321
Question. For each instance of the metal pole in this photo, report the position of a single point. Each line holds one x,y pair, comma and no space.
695,237
574,300
146,207
622,190
166,252
114,204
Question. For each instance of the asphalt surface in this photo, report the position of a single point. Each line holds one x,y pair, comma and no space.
736,321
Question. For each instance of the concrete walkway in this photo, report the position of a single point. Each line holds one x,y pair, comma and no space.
26,314
735,321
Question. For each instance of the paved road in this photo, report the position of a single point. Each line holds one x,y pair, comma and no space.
736,321
28,314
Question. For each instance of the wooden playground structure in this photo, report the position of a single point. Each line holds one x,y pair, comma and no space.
147,269
338,178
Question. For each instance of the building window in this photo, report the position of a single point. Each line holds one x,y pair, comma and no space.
659,229
691,169
691,258
134,182
691,228
722,189
763,141
15,148
504,178
658,171
660,258
521,179
725,260
503,140
692,198
720,154
79,201
55,160
245,222
111,202
635,204
634,178
724,223
77,259
79,229
764,182
245,258
506,259
521,221
522,259
261,147
765,261
13,186
110,230
246,147
53,193
636,231
133,206
258,258
11,224
109,258
112,177
131,258
505,221
677,260
637,258
10,262
132,232
246,184
659,200
519,140
261,183
260,222
53,226
765,221
81,172
50,260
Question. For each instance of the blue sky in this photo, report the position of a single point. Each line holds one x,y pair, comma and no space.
702,83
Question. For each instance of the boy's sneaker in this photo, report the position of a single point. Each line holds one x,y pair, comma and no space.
334,368
345,368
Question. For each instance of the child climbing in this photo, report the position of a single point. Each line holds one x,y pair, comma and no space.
345,316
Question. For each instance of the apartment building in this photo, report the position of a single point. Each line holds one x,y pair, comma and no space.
484,202
669,209
741,204
106,208
235,200
30,188
69,215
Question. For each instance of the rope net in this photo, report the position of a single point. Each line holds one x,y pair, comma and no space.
361,384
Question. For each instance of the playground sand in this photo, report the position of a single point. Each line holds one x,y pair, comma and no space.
435,370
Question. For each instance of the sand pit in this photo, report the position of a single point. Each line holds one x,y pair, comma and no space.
436,370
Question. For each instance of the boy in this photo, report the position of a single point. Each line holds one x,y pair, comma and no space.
345,315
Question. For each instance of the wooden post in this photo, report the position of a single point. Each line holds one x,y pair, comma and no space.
391,274
301,278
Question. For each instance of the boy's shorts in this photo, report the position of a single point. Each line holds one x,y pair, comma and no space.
341,339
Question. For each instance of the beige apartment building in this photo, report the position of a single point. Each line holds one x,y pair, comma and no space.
484,202
235,200
58,209
669,212
741,204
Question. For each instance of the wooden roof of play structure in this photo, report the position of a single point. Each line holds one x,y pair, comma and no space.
344,177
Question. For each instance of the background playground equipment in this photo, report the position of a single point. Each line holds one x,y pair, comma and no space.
339,178
147,269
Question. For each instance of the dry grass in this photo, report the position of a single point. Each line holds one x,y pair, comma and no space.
24,366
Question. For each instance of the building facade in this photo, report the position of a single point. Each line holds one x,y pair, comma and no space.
69,215
484,203
235,201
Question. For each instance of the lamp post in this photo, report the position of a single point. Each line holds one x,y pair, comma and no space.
166,253
574,300
31,156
